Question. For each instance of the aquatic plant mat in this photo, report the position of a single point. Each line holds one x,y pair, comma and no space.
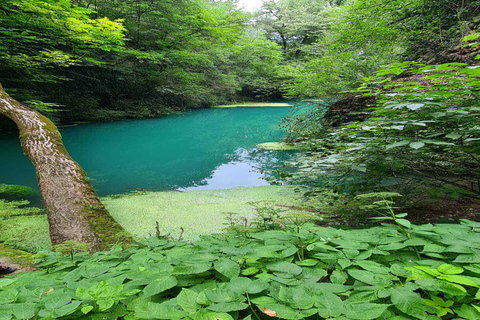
254,104
198,212
280,146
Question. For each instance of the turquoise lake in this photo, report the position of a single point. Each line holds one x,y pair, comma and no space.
199,149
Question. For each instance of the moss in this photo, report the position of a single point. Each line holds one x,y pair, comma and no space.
29,233
280,146
254,104
197,212
107,230
23,258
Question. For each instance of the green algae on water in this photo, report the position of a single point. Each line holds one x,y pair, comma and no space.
277,146
198,212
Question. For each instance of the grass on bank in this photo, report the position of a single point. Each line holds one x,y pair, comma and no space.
254,105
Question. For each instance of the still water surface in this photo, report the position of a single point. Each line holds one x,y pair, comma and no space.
206,149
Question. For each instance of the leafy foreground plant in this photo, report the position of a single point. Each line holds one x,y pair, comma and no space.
315,273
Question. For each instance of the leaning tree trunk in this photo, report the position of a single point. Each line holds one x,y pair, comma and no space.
73,208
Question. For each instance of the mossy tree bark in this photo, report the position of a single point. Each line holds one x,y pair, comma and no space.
72,205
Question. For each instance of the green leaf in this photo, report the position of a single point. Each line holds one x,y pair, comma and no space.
415,106
187,299
442,286
23,310
204,314
329,305
56,299
200,267
167,310
449,269
228,306
285,267
284,312
86,309
417,145
307,263
467,258
338,277
67,309
404,222
371,278
364,311
243,284
468,281
6,282
408,302
227,267
160,285
468,312
374,267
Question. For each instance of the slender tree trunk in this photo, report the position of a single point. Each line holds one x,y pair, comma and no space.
73,208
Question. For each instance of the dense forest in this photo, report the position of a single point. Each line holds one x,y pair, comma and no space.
387,165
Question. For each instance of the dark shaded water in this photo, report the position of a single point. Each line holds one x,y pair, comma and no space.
208,149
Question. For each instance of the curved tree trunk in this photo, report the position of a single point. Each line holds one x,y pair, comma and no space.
73,208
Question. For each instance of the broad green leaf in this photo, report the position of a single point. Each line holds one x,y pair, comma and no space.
192,268
244,284
452,289
465,280
283,311
204,314
329,305
87,308
6,282
249,271
417,145
364,311
67,309
374,267
415,106
371,278
187,299
285,267
168,310
159,285
307,263
228,306
404,222
433,248
225,295
23,310
56,299
449,269
398,144
408,302
468,312
467,258
227,267
338,277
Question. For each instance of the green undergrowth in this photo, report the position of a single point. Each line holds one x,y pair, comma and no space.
307,272
254,104
193,213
